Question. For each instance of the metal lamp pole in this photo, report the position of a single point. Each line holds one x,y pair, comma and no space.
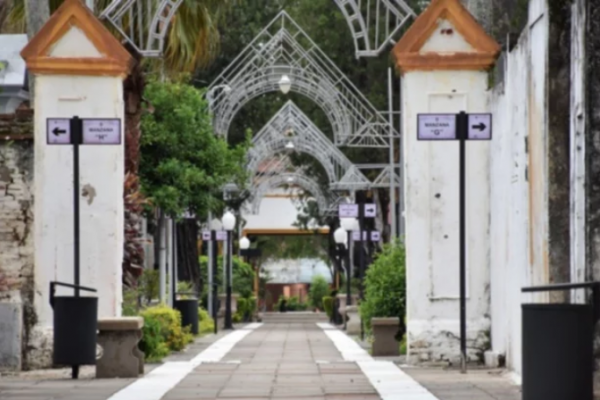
228,225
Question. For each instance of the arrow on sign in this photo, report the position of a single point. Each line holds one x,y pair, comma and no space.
57,131
481,127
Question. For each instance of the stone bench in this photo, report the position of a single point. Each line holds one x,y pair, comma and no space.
354,323
384,337
121,357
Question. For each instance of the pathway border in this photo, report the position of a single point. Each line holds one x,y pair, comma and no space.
390,381
164,378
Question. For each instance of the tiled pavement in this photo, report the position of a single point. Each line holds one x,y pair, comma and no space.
56,384
476,384
279,361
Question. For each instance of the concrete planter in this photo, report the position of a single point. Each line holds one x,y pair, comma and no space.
353,324
223,300
342,298
384,335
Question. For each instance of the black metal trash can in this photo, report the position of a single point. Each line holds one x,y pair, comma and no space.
75,330
189,313
558,351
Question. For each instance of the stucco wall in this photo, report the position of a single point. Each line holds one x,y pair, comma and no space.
529,243
431,182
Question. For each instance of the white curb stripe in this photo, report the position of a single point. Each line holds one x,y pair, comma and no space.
164,378
390,381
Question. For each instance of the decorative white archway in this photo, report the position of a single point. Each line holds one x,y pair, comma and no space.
281,50
291,130
144,23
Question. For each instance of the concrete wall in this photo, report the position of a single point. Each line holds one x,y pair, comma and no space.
16,239
509,222
532,172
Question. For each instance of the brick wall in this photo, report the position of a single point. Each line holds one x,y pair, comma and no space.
16,237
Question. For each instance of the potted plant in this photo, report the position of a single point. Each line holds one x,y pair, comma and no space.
186,303
384,305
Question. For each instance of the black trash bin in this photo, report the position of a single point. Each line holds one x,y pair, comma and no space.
75,329
558,348
189,313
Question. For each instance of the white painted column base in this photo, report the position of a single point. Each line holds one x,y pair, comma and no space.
438,341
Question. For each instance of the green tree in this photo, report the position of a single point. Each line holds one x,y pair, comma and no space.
385,286
183,164
243,276
318,289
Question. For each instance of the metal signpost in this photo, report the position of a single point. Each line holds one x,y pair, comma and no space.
75,132
461,127
213,237
80,348
362,211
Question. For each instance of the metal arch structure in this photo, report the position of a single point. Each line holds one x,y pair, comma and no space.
374,24
280,170
289,178
290,126
142,23
283,48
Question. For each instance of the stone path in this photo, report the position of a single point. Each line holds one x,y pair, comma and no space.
474,385
294,361
279,361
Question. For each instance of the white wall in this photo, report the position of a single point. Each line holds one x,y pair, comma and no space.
518,219
431,195
101,171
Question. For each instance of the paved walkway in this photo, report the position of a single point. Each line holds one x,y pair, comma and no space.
272,361
280,361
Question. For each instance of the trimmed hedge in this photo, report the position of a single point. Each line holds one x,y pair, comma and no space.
162,330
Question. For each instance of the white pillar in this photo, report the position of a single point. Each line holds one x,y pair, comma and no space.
79,67
443,64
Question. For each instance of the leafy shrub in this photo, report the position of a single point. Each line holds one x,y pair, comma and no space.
207,324
174,336
246,308
243,276
328,306
318,289
130,307
149,284
385,290
153,344
236,318
186,288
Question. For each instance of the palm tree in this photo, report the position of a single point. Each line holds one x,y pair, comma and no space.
192,41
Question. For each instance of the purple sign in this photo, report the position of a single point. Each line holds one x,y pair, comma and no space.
436,127
348,210
480,127
221,236
102,131
206,236
58,131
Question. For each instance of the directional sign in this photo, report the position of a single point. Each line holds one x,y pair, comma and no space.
58,131
221,236
436,126
102,131
370,210
348,210
206,236
356,236
375,236
480,127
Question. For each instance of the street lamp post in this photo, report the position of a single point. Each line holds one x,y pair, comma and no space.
228,224
340,238
244,247
348,225
214,225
